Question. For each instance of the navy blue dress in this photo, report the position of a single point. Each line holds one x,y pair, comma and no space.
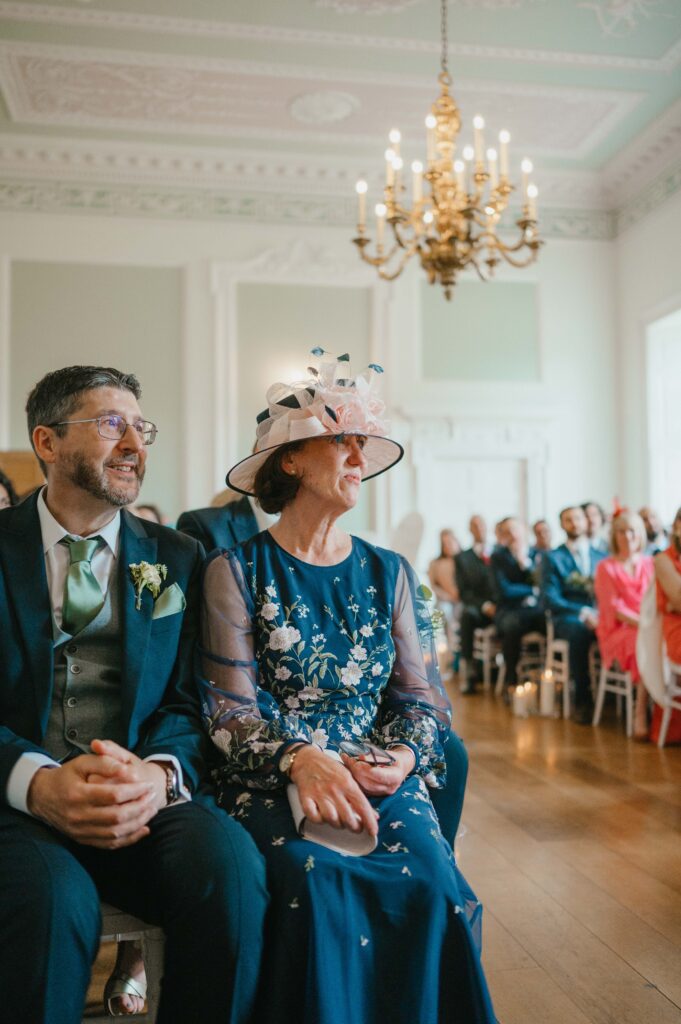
293,651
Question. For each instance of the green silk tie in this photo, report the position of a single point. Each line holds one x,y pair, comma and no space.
83,598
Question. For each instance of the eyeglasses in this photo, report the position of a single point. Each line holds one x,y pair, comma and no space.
374,756
113,428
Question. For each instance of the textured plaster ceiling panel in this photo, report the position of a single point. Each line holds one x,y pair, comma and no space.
239,100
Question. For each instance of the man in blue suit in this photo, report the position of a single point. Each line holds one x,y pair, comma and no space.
568,592
223,527
518,610
101,743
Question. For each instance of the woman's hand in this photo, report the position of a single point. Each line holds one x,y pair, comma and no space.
329,793
381,781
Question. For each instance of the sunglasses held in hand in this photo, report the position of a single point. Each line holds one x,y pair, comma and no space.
367,752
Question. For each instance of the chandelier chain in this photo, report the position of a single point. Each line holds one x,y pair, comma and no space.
443,32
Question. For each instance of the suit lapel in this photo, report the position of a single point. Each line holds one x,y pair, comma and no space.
243,523
23,564
135,547
571,558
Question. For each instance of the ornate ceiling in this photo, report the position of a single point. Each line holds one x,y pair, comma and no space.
270,109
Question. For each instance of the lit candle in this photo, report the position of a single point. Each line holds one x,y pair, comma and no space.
520,701
478,125
526,168
459,168
493,169
468,154
547,693
504,139
531,697
428,221
431,122
381,211
398,164
361,189
532,193
417,181
389,167
395,137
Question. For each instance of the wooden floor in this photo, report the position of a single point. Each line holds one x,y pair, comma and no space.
571,837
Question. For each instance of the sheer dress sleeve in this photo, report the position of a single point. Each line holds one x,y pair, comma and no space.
244,721
415,709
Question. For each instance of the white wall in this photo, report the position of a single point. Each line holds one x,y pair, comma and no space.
561,428
648,286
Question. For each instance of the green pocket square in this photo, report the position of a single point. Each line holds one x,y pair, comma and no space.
170,602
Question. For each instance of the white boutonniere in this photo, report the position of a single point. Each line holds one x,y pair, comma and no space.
145,575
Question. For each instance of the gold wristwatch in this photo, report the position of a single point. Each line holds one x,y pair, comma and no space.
288,757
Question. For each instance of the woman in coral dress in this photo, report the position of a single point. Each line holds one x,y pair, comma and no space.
621,581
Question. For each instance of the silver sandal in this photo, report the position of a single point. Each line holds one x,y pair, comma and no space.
121,984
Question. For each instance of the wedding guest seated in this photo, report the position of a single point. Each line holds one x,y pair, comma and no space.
318,668
668,584
542,541
568,595
102,790
621,581
518,610
475,580
656,535
237,518
442,577
8,496
151,513
595,525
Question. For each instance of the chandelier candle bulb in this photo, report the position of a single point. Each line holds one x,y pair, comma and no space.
395,137
468,154
389,167
398,164
459,168
478,125
361,190
526,168
493,168
504,139
532,193
381,211
417,181
430,137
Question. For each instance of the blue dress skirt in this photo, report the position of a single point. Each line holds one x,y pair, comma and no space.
294,652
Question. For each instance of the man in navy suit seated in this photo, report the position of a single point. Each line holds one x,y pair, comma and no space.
518,610
475,580
226,525
568,592
101,744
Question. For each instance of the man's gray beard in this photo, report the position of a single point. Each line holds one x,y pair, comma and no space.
84,476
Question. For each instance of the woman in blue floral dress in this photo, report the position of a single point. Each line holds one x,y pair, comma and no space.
314,642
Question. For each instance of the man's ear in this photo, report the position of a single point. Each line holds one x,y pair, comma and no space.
44,439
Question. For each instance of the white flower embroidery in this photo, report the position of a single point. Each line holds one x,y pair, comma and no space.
294,904
371,590
309,863
318,638
281,672
363,941
351,674
358,653
372,611
269,611
222,740
283,638
366,630
271,591
320,737
397,824
243,798
278,841
376,669
406,871
311,693
293,703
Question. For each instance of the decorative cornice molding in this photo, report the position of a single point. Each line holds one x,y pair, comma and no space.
640,163
655,194
222,205
126,20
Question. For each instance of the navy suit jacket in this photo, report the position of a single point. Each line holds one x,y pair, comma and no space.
160,705
560,596
223,527
474,578
514,584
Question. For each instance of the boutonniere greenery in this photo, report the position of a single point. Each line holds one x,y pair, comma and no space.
149,577
580,582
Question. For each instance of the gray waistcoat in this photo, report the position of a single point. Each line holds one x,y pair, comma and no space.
86,700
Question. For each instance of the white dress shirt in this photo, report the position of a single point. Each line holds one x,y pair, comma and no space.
57,562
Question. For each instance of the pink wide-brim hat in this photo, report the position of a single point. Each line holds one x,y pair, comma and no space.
331,402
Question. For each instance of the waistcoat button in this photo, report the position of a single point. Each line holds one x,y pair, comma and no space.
71,649
75,669
72,734
71,702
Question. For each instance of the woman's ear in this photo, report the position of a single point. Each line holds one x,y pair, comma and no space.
288,464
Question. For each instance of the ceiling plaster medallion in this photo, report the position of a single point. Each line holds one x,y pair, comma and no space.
621,17
325,107
367,6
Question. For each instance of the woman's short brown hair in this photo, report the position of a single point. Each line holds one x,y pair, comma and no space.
273,486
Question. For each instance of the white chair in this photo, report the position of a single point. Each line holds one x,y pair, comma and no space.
614,680
558,662
530,663
118,926
486,648
672,699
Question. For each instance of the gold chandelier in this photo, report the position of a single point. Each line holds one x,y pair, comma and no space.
455,225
